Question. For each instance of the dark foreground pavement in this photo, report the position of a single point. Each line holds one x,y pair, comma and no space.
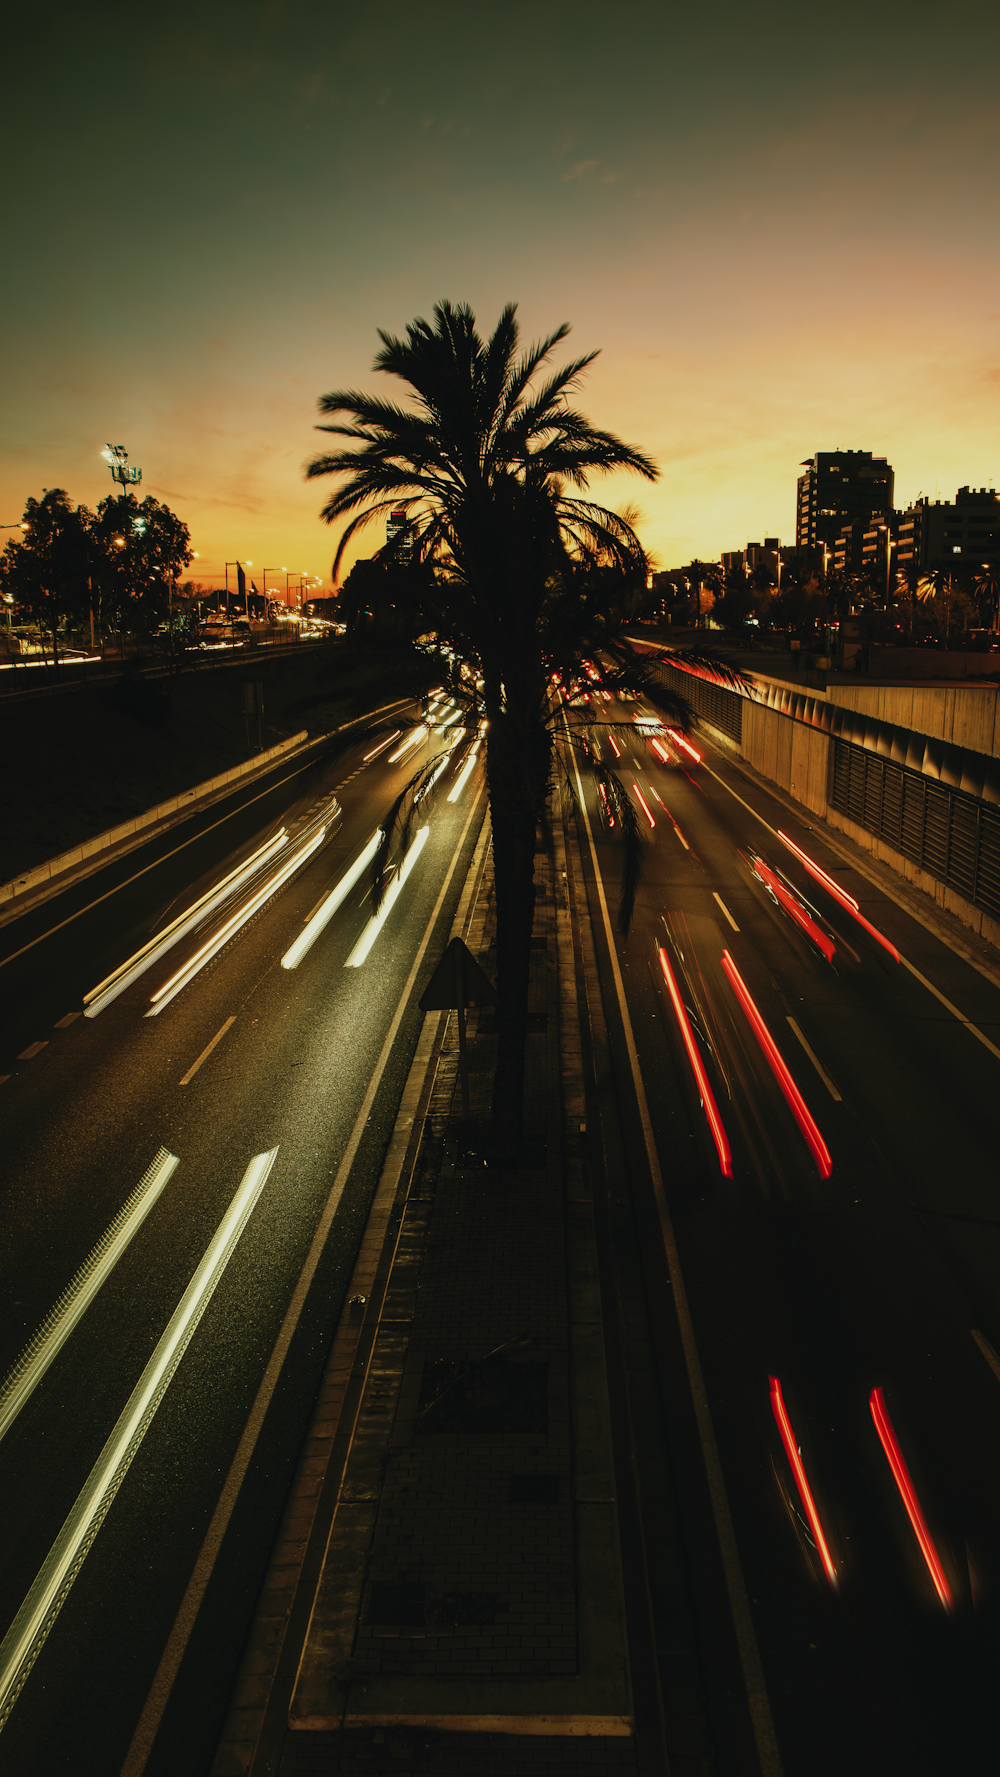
447,1590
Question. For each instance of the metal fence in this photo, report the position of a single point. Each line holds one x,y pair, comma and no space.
953,836
718,705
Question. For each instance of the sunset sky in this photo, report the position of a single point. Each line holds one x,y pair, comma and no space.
778,224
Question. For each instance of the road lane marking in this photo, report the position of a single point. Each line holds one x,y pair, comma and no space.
180,1635
938,995
725,910
33,1049
4,960
817,1064
25,1637
63,1023
974,1029
206,1052
758,1702
50,1337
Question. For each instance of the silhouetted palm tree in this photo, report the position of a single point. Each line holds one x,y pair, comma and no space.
529,572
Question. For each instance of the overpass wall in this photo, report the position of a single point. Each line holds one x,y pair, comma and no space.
928,811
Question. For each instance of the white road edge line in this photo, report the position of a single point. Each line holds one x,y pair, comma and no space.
197,1586
739,1604
51,1335
25,1637
817,1064
938,995
725,909
936,991
206,1052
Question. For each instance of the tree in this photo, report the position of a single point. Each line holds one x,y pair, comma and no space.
492,472
139,551
47,573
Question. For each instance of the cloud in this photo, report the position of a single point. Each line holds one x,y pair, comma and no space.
579,171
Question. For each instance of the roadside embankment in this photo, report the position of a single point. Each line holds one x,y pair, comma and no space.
82,762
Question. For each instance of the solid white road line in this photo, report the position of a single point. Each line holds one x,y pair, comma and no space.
938,995
324,912
361,949
739,1604
50,1337
206,1052
817,1064
21,1644
725,910
180,1635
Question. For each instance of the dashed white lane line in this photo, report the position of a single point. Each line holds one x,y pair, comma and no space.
61,1023
33,1049
725,910
817,1064
206,1052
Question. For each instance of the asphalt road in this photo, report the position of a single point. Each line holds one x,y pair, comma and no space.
876,1276
83,1118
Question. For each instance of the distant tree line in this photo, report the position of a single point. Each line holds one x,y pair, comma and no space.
120,565
937,605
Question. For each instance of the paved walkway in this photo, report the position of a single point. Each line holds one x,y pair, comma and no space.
446,1588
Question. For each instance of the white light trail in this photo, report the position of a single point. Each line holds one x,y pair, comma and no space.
363,946
464,775
63,1316
23,1641
116,983
324,913
382,746
454,716
412,740
170,989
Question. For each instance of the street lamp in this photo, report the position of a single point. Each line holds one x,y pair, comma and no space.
264,584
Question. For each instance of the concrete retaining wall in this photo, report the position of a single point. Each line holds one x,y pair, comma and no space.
966,715
140,823
799,759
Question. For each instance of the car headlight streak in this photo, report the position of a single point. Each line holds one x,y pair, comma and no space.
116,983
323,915
411,741
360,952
214,944
464,775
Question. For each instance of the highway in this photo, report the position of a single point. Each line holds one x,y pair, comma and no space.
840,1256
187,1166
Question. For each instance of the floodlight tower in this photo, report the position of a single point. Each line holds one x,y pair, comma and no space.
122,471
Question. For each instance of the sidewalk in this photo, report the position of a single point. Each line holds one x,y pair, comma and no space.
446,1588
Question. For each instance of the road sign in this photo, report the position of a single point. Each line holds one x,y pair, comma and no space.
457,983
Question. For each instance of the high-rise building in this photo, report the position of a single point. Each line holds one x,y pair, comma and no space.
943,534
840,488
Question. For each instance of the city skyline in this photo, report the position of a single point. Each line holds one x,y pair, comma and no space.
776,242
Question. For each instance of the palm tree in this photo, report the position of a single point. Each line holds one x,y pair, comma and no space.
493,472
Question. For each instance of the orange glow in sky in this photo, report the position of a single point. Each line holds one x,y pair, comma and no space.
781,238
